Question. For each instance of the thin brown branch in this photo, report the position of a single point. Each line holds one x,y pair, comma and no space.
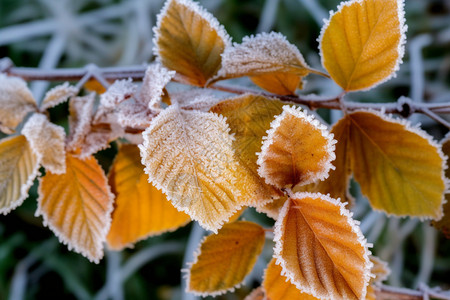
403,107
384,292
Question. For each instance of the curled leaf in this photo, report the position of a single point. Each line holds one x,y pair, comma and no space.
140,209
189,40
16,101
225,258
362,44
321,248
47,142
297,150
18,169
155,79
77,206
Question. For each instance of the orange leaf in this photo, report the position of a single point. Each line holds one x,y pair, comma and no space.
321,248
380,270
224,259
77,206
278,287
444,223
140,209
297,150
278,83
18,168
190,40
363,42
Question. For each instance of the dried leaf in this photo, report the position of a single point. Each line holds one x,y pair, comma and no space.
272,209
16,101
189,40
362,44
256,294
380,270
47,142
321,248
18,169
224,259
298,150
118,92
80,116
189,156
77,206
58,94
249,118
399,168
444,223
269,59
140,209
155,80
278,287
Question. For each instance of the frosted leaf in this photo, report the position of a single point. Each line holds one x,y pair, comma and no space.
16,101
47,142
81,111
189,156
118,92
262,54
58,94
134,114
197,99
155,79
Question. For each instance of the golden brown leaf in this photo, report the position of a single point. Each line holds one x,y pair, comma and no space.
297,150
140,209
77,205
321,248
224,259
399,168
362,44
249,117
47,142
189,156
16,101
18,169
278,83
190,40
380,270
278,287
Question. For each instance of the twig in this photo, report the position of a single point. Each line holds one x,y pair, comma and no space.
384,292
402,107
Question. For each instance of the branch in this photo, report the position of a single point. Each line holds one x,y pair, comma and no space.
384,292
404,106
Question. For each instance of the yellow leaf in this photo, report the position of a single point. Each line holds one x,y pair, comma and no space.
224,259
269,59
278,287
297,150
18,168
57,95
272,209
338,181
140,209
444,223
362,44
190,40
380,270
189,156
256,294
92,85
47,142
249,118
321,248
77,206
16,101
399,168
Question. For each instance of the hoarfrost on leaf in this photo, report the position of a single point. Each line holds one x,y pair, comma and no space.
47,142
118,92
81,111
155,79
58,94
16,101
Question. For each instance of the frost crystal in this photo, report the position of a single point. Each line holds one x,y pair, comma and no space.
118,92
57,95
81,111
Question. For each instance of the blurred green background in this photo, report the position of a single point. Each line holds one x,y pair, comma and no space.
68,33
